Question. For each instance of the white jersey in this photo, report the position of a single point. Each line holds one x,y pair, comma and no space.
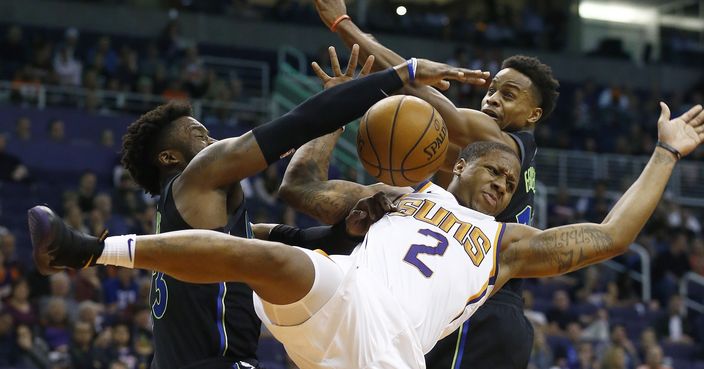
418,275
438,258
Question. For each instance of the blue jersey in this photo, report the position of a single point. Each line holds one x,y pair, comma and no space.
197,323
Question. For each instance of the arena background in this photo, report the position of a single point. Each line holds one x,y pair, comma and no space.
73,74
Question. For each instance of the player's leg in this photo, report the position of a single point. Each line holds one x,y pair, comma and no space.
280,274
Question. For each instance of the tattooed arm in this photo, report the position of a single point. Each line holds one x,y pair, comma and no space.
306,187
527,252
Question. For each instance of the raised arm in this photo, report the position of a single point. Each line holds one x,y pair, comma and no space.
527,252
305,186
228,161
464,125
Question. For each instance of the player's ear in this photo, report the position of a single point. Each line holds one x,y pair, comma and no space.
459,166
168,158
535,115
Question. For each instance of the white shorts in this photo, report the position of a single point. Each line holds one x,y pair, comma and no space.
361,326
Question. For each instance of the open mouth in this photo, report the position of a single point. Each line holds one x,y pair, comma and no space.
491,113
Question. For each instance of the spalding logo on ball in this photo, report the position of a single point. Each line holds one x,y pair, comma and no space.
402,140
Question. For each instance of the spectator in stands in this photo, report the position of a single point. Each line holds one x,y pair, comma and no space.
60,288
127,69
143,349
194,73
86,191
696,257
32,352
541,356
7,249
568,350
107,139
586,359
56,131
19,306
23,129
91,312
648,338
171,42
55,324
13,51
675,326
148,66
11,168
87,286
102,203
41,62
560,211
614,358
670,265
103,56
619,339
73,216
560,315
7,277
68,69
595,207
122,345
654,359
81,350
598,330
120,292
127,196
536,317
7,343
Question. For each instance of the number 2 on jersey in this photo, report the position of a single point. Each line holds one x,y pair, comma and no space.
415,249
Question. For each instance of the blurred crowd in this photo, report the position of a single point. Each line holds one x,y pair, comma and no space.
100,317
168,67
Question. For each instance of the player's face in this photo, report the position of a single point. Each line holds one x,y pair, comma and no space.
486,184
193,137
511,101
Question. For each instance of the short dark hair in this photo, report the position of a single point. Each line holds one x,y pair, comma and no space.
478,149
144,138
541,76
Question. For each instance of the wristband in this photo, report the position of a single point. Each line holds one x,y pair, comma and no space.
412,67
337,21
670,149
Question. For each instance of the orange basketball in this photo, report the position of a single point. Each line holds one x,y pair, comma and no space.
402,140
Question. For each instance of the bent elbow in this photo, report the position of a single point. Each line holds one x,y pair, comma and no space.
287,191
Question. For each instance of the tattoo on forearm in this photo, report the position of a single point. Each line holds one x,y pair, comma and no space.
558,247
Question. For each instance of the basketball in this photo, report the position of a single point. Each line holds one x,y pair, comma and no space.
402,140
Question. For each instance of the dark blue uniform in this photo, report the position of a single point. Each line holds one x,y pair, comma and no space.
497,336
202,325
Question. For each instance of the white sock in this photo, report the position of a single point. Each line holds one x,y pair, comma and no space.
119,250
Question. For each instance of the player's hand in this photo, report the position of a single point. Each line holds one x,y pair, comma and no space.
439,75
683,133
367,211
339,77
330,10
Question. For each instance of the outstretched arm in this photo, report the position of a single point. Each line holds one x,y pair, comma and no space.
305,186
228,161
527,252
464,125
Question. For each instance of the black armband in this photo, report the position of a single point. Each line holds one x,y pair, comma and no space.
334,240
324,113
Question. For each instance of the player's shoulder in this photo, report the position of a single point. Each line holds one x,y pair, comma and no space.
525,140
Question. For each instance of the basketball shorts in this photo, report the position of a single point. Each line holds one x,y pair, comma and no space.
360,326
